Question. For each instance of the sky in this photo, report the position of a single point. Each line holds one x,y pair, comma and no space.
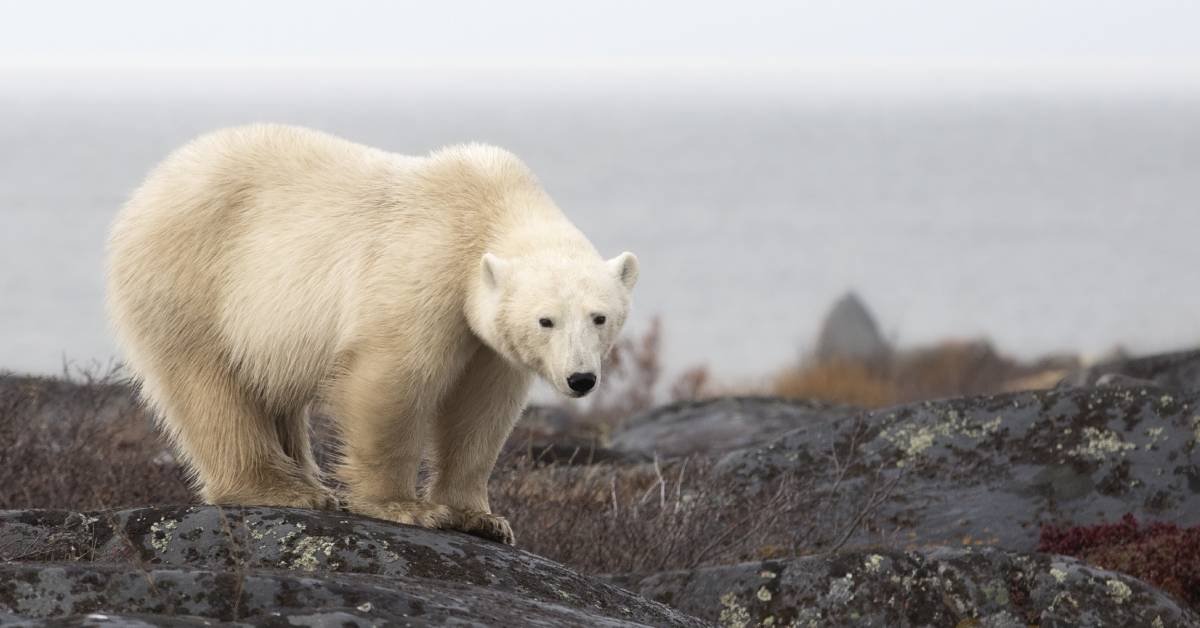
1099,36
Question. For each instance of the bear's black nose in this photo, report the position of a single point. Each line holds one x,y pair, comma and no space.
581,382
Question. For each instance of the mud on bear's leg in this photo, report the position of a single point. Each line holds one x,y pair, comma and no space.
469,431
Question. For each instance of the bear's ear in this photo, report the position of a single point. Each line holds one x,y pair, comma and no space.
625,268
494,270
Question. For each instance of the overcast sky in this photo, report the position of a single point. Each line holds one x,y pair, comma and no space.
617,33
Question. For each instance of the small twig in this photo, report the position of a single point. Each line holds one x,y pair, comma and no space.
877,497
613,488
135,552
738,525
30,550
236,550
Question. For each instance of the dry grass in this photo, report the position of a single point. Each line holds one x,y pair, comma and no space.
653,517
949,369
81,442
847,383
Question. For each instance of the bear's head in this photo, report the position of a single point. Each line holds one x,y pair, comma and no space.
555,315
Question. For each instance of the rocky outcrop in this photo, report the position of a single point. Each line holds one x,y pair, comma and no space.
282,566
990,470
720,425
1173,371
937,587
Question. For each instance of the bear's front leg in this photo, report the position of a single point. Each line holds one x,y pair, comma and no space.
473,424
383,419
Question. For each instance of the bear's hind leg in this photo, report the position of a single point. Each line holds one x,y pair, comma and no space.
292,426
230,443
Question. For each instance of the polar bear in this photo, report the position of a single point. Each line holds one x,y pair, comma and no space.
259,270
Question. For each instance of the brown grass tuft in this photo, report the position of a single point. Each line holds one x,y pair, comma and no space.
948,369
836,382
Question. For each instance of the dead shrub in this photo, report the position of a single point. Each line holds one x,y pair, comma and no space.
81,442
645,518
1163,554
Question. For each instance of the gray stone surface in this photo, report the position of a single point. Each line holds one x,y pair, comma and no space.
937,587
990,470
720,425
1178,371
282,566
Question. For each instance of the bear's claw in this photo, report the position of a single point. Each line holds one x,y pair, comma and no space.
488,526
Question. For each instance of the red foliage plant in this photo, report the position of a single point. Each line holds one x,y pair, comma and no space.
1162,554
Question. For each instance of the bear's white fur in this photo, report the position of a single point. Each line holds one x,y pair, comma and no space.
261,269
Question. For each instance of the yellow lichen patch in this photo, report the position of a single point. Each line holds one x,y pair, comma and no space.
763,594
997,592
161,534
913,440
1059,575
1099,443
1155,434
1063,596
873,563
1119,591
733,614
308,548
842,589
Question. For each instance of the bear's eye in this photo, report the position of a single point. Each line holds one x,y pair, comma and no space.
599,319
545,322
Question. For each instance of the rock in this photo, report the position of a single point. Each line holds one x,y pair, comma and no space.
720,425
549,419
935,587
286,566
990,470
550,435
543,453
1123,381
850,334
1174,371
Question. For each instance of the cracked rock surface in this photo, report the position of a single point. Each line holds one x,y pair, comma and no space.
974,587
255,566
989,470
1179,371
720,425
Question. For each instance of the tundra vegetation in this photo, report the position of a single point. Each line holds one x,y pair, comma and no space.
721,514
